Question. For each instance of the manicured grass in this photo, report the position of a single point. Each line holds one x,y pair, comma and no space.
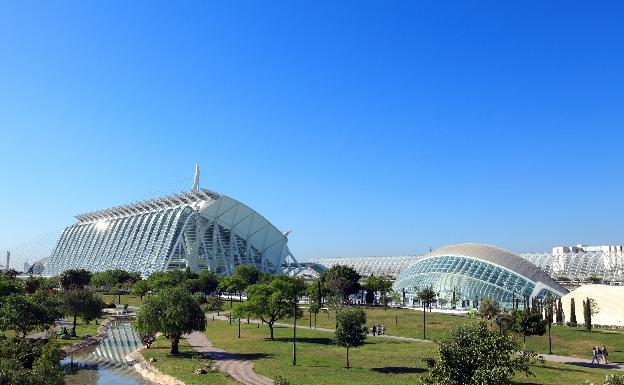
320,361
130,299
82,329
567,341
182,366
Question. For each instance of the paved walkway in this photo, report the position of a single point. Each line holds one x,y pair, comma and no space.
237,366
547,357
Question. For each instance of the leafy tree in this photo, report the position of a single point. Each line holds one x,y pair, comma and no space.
594,279
83,303
489,308
30,362
271,302
172,312
340,281
75,279
9,286
140,288
315,294
115,279
250,274
473,355
208,282
21,313
385,286
214,303
528,323
10,273
232,285
572,313
350,329
371,285
426,297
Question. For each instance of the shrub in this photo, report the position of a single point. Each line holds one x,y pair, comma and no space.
200,298
279,380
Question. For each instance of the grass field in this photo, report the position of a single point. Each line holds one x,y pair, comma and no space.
82,329
379,361
183,365
130,299
567,341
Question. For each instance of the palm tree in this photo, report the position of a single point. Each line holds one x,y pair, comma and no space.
426,296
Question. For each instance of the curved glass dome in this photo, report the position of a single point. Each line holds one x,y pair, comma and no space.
472,272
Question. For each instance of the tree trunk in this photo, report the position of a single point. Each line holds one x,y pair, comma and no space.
424,322
118,296
175,342
524,342
238,327
74,323
271,328
347,357
310,320
314,321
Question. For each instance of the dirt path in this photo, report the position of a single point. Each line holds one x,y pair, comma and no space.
237,366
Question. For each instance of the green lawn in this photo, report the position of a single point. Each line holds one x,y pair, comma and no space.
567,341
130,299
82,329
183,365
379,361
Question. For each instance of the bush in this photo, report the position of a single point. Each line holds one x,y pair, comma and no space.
279,380
614,379
110,305
572,324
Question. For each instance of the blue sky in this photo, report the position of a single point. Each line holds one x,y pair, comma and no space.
370,128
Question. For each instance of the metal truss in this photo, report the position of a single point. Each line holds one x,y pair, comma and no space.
580,266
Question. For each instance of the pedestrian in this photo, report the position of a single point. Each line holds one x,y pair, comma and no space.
594,355
599,354
374,329
383,329
605,354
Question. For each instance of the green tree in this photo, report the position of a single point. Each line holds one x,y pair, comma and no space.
232,285
115,279
587,315
30,362
489,308
528,323
573,321
473,355
23,314
82,303
214,303
271,302
426,297
559,314
340,281
371,285
250,274
9,286
314,293
208,282
172,312
75,279
350,329
140,288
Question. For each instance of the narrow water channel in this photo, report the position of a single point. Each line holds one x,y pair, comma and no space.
105,364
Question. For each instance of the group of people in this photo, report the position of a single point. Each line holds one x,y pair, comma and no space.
379,330
600,355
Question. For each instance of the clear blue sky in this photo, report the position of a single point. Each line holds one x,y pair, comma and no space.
370,128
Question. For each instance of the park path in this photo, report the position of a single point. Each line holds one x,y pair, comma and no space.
237,366
548,357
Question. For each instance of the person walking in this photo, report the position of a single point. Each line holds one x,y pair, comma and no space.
383,329
594,355
374,329
599,354
605,354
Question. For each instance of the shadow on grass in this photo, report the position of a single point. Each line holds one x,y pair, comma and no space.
568,369
398,370
309,340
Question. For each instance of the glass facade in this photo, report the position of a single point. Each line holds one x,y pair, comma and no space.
473,277
200,230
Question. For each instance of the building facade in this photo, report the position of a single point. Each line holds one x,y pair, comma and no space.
199,230
464,274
